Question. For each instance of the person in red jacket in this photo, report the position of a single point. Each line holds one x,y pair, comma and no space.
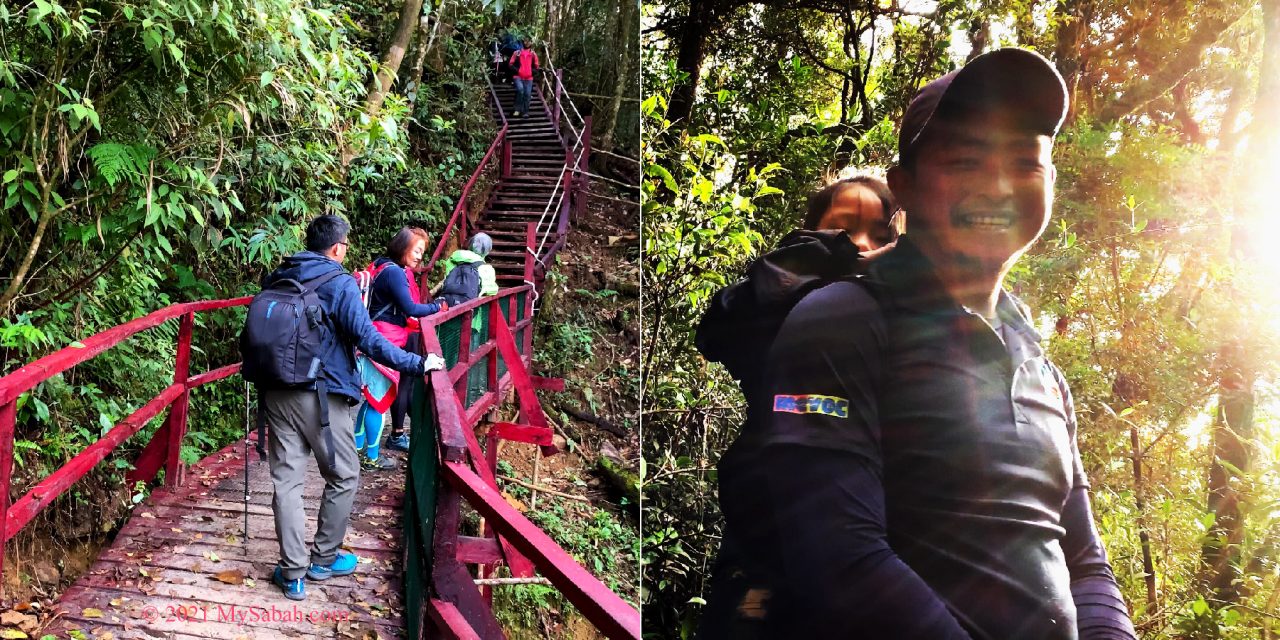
524,62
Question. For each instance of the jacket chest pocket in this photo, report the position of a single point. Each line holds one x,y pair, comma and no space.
1039,407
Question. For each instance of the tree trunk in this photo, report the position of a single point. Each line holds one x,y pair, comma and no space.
1069,51
1144,539
625,36
1267,107
390,66
550,24
414,86
1182,111
1232,433
1186,60
689,55
1228,135
1233,430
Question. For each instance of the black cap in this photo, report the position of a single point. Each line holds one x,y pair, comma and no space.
1011,78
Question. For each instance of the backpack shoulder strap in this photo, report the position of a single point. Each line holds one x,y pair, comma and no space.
381,269
319,281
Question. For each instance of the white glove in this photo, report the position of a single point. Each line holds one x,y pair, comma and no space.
432,362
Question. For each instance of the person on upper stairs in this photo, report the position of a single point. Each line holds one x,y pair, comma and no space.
524,61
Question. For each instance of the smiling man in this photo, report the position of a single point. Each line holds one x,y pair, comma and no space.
909,465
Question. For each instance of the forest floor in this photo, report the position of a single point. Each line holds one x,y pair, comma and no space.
588,334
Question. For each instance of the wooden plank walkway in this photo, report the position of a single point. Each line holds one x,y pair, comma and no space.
160,576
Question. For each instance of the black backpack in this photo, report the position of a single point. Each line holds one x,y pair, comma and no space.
283,342
462,284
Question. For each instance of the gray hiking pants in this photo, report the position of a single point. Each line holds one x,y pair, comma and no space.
296,436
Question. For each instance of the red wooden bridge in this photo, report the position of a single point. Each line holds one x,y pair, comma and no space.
194,561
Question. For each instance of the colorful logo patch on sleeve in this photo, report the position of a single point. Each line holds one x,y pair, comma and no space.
826,405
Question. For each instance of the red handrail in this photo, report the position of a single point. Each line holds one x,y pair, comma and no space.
457,219
22,380
469,472
165,443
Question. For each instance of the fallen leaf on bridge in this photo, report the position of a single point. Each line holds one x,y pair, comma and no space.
234,576
149,515
28,624
90,612
12,633
15,619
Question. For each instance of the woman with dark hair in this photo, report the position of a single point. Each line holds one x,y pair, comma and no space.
395,304
862,206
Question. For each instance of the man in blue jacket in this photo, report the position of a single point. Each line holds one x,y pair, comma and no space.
294,415
909,468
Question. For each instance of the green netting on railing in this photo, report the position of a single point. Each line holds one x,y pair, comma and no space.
450,334
477,382
480,327
519,335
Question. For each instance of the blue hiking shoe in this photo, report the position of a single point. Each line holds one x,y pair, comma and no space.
399,443
343,565
293,589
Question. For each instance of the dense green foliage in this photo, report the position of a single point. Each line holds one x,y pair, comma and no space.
1152,296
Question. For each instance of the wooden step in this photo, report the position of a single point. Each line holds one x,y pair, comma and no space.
507,255
506,204
553,172
519,162
510,227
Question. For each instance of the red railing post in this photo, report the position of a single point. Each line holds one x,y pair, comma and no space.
555,116
580,196
8,422
506,153
177,419
530,251
562,220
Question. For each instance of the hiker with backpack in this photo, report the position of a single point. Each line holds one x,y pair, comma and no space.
908,468
467,276
395,304
524,61
298,346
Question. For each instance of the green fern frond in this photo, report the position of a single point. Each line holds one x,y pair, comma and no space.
121,161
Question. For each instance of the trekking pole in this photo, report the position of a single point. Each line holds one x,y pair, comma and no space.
246,469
